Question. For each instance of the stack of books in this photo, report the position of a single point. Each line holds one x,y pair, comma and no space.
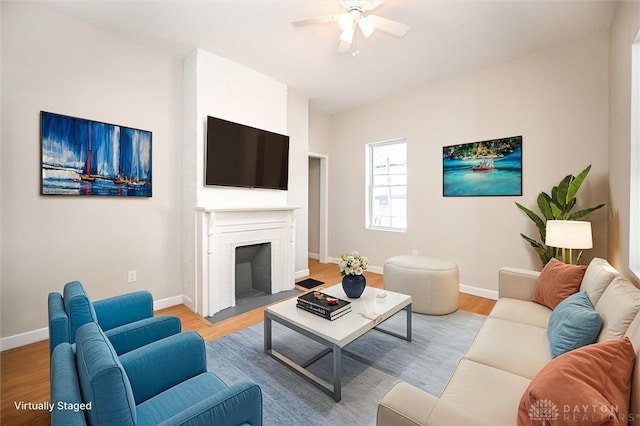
323,305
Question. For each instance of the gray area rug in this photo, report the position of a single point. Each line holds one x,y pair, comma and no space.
371,365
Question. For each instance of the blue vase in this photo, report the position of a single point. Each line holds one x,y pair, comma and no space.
354,285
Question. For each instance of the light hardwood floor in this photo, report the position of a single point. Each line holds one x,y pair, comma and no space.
25,370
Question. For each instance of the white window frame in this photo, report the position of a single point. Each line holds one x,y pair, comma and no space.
369,187
634,175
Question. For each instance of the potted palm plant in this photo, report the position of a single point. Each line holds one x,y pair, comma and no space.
557,206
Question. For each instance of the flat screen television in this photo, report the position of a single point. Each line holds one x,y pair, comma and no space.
243,156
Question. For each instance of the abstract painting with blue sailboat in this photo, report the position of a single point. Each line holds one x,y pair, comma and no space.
486,168
85,157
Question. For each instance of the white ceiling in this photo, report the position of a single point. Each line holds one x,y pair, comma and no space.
446,38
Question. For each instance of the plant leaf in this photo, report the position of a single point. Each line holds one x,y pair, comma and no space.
544,204
577,182
544,252
558,213
561,196
534,217
581,213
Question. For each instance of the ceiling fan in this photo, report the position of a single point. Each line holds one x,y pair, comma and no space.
356,15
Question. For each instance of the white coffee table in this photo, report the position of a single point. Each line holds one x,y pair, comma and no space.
336,334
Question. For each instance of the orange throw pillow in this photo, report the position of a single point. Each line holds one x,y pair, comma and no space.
557,281
590,385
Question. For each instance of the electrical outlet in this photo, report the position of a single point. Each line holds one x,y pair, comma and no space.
132,276
415,252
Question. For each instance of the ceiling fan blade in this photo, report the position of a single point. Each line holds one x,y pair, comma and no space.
374,4
315,21
344,46
396,28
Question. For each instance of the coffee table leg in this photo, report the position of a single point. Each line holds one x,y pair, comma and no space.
336,389
408,309
267,333
337,373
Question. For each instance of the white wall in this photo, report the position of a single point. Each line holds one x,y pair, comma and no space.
59,64
624,29
319,132
298,123
557,99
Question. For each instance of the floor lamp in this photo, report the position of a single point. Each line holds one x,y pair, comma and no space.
568,235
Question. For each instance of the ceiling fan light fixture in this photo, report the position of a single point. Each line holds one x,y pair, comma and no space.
345,21
366,26
347,35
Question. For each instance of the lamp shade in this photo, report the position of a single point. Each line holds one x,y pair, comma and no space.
573,234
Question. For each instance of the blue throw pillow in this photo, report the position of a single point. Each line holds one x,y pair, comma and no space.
573,324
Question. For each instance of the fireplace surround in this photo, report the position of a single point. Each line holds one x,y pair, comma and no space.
220,231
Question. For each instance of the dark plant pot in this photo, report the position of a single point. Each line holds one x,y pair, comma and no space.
354,285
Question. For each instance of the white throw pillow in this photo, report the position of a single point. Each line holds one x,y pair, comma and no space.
598,276
618,306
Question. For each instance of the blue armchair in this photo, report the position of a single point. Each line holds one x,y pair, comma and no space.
162,383
127,319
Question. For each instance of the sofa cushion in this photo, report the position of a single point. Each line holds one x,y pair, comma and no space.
590,385
478,394
556,282
618,306
597,278
573,324
523,311
511,346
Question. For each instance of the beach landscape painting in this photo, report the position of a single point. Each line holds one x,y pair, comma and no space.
85,157
486,168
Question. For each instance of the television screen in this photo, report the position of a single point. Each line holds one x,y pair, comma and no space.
243,156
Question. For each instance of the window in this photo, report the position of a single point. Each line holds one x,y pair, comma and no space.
387,185
634,196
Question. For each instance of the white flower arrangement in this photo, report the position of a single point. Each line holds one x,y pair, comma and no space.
352,264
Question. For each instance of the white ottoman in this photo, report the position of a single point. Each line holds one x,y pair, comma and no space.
433,284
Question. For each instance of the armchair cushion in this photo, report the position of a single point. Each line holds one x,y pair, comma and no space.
217,404
173,361
123,309
131,336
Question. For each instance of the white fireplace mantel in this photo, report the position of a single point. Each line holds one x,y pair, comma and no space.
220,230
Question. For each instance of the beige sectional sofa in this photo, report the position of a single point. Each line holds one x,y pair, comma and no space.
510,349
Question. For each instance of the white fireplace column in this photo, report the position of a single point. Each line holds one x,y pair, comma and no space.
220,231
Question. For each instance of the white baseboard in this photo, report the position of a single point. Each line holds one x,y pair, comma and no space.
480,292
25,338
189,303
168,302
303,273
314,256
